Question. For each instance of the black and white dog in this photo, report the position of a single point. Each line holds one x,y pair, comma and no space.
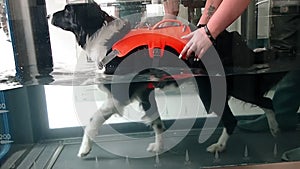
96,32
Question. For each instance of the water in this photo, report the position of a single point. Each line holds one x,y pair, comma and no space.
88,74
71,68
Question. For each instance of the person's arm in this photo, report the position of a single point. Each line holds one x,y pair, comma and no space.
226,11
171,8
226,14
210,7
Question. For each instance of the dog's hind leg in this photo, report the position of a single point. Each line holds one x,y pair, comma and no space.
152,117
109,107
266,105
229,122
228,119
221,144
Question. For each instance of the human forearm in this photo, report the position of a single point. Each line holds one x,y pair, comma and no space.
210,7
227,13
218,15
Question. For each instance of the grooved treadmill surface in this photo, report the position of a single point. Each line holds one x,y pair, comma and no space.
261,148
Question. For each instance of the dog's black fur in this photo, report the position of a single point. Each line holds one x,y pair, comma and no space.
85,19
89,19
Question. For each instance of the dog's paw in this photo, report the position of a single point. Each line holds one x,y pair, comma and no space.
216,147
84,151
155,147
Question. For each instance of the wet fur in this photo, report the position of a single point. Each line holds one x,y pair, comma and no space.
90,18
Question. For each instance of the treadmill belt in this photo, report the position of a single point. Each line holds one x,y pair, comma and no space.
242,149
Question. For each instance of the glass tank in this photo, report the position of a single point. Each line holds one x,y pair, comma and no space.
149,84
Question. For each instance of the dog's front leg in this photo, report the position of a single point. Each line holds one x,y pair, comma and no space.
152,117
108,108
157,146
229,123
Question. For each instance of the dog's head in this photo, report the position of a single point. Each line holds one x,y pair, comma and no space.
81,19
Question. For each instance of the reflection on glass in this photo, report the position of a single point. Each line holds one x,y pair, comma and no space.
7,62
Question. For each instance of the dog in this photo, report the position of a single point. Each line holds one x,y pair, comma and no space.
89,24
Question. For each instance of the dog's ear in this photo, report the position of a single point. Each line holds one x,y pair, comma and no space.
91,17
88,18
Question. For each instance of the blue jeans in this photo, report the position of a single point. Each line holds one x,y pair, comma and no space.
286,100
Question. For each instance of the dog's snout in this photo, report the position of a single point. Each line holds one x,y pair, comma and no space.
56,19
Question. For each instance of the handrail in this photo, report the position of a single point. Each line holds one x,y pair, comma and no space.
166,20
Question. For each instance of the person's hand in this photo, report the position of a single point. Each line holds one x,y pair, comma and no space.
198,43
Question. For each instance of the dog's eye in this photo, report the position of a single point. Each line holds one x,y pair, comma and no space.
66,13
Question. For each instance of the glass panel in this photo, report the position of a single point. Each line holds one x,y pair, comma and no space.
66,55
68,59
7,62
56,64
66,51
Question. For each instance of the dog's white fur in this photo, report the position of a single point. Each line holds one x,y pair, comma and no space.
221,144
100,42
